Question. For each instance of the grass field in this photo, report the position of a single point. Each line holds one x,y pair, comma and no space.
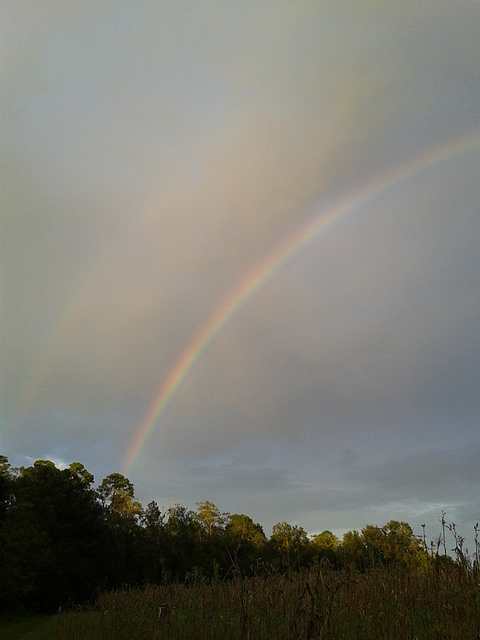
29,627
438,603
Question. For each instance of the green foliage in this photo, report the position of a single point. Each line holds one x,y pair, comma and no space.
394,542
290,545
286,536
51,538
4,465
243,532
326,540
77,469
182,542
118,492
210,518
5,486
62,542
245,541
153,517
325,547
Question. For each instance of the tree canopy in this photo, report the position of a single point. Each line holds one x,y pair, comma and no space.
62,539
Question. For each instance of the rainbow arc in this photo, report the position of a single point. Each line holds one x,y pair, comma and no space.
258,277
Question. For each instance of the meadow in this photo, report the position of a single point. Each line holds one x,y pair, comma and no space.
438,602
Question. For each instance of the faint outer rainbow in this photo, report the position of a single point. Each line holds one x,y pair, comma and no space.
266,269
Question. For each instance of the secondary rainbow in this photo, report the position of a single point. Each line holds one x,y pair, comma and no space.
266,269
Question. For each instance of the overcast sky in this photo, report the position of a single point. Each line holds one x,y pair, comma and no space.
156,154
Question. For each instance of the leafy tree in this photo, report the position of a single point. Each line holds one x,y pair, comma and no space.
326,540
153,516
15,580
397,543
245,541
119,493
374,544
353,549
394,542
210,518
183,535
77,469
325,545
123,515
53,537
291,545
151,540
181,520
286,536
213,553
61,540
4,465
5,486
243,532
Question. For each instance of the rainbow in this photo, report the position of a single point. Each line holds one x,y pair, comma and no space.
258,277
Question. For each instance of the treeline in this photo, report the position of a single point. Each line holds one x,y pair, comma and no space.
63,541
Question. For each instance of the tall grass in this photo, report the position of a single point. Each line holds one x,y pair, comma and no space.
31,627
438,602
